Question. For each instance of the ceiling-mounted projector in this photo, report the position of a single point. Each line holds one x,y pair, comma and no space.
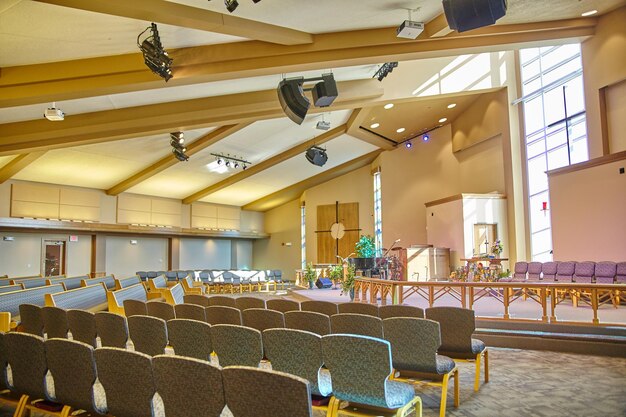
409,29
54,114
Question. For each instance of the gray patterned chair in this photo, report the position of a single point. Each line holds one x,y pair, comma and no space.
174,376
324,307
135,308
143,275
359,308
457,327
190,311
31,319
190,338
223,315
112,329
548,271
361,324
400,310
197,299
534,271
9,398
127,380
244,303
282,305
237,345
54,322
262,319
73,368
364,382
268,393
222,300
171,276
309,321
306,361
26,355
414,344
148,334
82,325
161,310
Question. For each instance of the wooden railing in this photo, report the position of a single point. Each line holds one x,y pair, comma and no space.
547,294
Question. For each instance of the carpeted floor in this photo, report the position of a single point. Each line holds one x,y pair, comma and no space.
528,383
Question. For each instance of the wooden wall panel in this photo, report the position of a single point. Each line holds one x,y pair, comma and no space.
327,215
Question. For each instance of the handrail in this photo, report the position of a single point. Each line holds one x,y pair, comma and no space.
548,294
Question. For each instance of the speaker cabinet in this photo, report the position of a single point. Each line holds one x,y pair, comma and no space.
464,15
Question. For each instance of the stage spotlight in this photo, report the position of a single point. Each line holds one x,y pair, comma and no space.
292,99
408,144
178,137
219,161
227,163
316,156
236,165
244,167
154,56
385,70
425,138
231,5
180,155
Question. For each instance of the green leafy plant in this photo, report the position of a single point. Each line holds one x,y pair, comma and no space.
365,247
309,273
348,281
336,273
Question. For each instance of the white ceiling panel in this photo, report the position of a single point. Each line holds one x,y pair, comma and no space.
339,150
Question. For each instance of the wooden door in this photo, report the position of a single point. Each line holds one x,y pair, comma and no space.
345,234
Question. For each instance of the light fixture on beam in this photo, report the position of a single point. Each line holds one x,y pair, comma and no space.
231,161
154,56
384,70
177,140
296,105
316,155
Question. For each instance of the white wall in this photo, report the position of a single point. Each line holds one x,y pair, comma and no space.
484,210
124,259
444,228
205,253
243,253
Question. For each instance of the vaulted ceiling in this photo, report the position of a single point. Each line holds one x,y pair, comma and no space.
84,56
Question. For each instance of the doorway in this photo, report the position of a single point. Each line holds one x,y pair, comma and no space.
484,236
53,259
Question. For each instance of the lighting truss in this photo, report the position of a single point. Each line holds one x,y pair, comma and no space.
385,70
231,161
154,56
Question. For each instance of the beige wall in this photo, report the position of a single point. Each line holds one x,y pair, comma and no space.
124,259
445,228
355,187
283,225
616,116
588,213
198,253
604,64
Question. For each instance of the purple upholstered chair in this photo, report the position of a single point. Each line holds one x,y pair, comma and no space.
620,273
605,272
548,269
519,273
584,271
565,271
534,271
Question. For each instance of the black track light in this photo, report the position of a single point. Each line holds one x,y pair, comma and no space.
227,163
154,56
180,155
178,137
385,70
231,5
219,161
244,167
177,140
236,165
231,161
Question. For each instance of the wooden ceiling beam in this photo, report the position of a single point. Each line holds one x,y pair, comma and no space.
41,83
169,160
181,15
354,129
111,125
295,191
17,164
268,163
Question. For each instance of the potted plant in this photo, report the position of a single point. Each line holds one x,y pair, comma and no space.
310,275
347,284
336,274
365,250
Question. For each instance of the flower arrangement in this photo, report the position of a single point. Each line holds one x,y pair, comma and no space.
497,248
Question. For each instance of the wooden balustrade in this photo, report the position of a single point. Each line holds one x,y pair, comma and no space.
547,294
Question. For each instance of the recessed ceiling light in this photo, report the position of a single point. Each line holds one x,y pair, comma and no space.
443,120
589,13
374,125
401,130
388,106
451,106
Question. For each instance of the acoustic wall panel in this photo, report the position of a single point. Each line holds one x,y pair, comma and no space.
50,202
135,209
211,216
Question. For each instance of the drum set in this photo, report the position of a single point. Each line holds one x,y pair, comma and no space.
389,265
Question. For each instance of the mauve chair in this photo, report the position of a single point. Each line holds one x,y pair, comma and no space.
584,272
605,272
534,271
565,271
620,273
519,272
548,271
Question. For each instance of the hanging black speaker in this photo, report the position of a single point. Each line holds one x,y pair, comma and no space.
292,99
464,15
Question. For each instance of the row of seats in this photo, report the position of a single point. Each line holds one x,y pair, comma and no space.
585,272
123,383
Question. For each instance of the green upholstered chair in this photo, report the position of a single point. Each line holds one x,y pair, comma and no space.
127,380
283,306
414,344
190,311
191,338
261,318
264,393
324,307
112,329
148,334
400,310
54,322
457,327
244,303
31,321
135,308
237,345
188,387
223,315
82,325
222,300
360,367
161,310
350,323
359,308
197,299
309,321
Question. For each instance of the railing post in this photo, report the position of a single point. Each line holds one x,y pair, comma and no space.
552,304
506,300
431,296
463,296
471,298
594,305
357,288
544,304
398,293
